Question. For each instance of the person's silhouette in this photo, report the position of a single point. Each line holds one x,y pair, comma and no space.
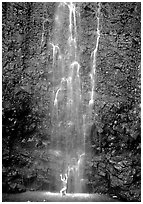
64,184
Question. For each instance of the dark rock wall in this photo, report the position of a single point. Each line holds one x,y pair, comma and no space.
115,137
26,95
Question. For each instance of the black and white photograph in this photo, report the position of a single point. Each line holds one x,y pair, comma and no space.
71,101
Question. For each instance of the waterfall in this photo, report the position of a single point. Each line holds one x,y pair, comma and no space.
69,116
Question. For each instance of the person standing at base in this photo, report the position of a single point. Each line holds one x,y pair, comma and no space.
64,188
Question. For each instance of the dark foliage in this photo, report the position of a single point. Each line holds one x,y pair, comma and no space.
18,120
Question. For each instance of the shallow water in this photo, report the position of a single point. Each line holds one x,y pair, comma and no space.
42,196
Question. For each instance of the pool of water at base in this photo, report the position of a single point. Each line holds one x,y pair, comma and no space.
43,196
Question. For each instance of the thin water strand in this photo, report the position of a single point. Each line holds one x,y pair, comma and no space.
55,50
93,57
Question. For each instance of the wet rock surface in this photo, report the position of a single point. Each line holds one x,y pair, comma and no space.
113,165
117,176
116,155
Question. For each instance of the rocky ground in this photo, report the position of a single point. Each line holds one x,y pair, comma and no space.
113,145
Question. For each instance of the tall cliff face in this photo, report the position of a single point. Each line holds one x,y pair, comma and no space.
71,83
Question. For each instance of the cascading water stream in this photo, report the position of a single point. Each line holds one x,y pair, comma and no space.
93,57
68,115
